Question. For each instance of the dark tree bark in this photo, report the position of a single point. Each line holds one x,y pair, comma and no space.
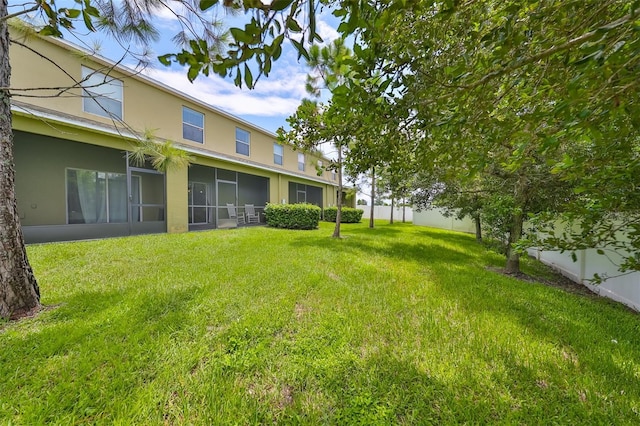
19,293
476,219
393,204
373,196
404,207
513,258
517,222
336,230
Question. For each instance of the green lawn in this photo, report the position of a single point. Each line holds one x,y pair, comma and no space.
397,325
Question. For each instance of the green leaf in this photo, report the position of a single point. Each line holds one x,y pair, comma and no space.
280,4
267,66
241,36
92,11
193,72
293,25
49,30
300,48
72,13
207,4
248,77
165,59
87,21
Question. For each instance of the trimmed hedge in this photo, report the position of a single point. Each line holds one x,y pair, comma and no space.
349,215
293,216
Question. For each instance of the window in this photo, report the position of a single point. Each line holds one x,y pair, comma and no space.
96,197
278,152
333,175
301,162
242,141
319,169
102,94
192,125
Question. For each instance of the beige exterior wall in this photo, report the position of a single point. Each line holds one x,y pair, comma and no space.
146,105
42,164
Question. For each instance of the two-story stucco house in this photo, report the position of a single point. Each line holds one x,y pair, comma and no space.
74,177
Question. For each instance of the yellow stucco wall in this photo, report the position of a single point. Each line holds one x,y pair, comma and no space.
147,105
177,200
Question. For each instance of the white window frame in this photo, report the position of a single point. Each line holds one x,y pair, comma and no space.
101,85
184,123
247,143
301,165
276,154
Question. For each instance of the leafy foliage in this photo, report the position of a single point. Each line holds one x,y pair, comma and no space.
293,216
349,215
264,325
162,155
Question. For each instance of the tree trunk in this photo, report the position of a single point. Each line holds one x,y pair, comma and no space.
373,196
336,230
392,206
513,258
520,195
478,228
404,206
19,293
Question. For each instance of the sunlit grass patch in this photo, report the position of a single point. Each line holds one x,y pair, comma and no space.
399,324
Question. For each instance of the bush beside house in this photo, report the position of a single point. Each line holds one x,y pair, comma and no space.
349,214
293,216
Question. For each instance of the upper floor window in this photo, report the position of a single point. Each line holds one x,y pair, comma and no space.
192,125
320,169
102,94
278,152
242,141
333,175
301,162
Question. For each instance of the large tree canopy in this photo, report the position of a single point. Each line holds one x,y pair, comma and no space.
540,95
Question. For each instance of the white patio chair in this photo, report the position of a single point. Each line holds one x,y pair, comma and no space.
252,215
233,214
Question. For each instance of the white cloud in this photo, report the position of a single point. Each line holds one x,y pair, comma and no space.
277,96
326,31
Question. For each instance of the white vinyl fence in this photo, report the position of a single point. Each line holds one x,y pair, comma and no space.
384,212
436,219
622,288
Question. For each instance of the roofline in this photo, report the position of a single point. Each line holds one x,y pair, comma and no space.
127,135
132,73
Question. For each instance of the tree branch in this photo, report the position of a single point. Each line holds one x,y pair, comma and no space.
22,12
546,53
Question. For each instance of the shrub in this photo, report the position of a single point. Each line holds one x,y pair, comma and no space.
349,215
292,216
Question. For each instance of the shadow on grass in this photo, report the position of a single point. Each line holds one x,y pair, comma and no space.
431,250
90,346
589,338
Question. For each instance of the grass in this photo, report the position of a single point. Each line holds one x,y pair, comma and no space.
397,325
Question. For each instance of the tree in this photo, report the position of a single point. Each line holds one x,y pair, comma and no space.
260,41
431,191
19,292
313,124
509,91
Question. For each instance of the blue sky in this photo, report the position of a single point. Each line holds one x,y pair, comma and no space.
267,106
